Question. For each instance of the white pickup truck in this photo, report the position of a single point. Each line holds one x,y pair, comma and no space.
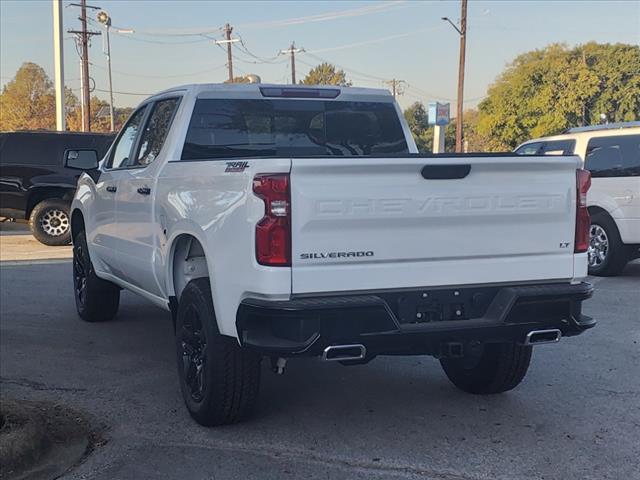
288,221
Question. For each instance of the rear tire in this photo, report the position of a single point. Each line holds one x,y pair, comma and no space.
607,254
49,222
97,300
218,378
498,368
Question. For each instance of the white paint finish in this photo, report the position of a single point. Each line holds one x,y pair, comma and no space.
138,229
503,223
508,220
618,196
220,210
102,231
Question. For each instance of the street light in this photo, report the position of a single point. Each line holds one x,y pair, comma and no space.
462,31
104,18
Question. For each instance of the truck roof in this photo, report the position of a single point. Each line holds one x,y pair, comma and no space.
253,89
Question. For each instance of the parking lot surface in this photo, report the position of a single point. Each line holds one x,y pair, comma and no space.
576,415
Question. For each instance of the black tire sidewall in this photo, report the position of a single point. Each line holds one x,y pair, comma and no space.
35,222
102,297
501,367
193,295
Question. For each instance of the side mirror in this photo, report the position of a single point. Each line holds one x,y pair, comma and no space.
81,159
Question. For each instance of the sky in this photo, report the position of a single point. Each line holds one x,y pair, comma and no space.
172,42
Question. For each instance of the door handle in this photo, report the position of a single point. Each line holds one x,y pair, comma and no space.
445,172
111,188
144,190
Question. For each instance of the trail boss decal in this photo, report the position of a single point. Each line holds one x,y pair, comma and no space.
236,167
323,255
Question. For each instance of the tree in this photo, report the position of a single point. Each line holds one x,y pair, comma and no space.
28,101
546,91
326,74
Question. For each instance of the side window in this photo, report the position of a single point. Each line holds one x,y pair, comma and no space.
615,156
156,131
122,149
530,149
558,147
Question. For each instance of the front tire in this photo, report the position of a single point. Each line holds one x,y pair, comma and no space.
49,222
497,368
607,254
97,300
218,378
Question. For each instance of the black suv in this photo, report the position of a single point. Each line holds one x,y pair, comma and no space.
38,176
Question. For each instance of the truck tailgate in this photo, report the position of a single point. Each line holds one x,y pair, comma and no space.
378,223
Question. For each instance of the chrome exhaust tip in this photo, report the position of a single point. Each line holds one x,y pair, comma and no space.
340,353
538,337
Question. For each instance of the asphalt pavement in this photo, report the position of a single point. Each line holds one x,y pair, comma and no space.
576,415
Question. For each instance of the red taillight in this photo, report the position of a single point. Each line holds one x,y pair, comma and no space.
583,222
273,231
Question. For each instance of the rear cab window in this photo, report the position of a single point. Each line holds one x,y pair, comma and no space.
227,128
613,156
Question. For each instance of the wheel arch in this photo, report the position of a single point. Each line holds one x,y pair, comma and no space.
187,260
39,194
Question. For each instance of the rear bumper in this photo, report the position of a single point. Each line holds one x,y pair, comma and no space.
412,321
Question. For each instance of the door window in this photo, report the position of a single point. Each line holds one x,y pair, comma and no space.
615,156
530,149
122,149
558,147
156,131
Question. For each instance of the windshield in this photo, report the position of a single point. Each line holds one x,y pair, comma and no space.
292,128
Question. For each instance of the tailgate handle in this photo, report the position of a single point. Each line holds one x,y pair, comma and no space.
445,172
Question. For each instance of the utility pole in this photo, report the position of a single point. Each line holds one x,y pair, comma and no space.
462,31
58,61
463,47
227,31
84,41
86,99
397,87
292,51
104,18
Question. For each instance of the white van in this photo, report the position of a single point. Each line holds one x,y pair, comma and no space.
612,153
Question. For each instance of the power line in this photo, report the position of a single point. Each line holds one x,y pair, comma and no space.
397,86
292,52
84,36
190,74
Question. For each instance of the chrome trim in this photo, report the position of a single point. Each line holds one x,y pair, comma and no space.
334,348
530,340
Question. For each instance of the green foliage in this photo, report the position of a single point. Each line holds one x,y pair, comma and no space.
326,74
28,103
546,91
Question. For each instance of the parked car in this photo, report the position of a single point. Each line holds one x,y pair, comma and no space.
612,154
294,221
37,185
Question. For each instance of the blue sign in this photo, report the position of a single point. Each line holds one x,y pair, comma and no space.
438,113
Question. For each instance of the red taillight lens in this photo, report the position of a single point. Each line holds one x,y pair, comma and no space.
583,222
273,231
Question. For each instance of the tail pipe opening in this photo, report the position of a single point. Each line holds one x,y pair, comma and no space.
538,337
344,352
